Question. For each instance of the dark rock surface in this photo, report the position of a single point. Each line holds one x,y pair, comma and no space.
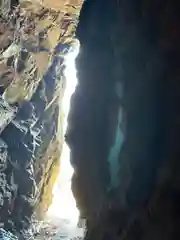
124,120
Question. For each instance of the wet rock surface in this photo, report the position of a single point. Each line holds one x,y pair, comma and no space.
21,147
34,40
4,235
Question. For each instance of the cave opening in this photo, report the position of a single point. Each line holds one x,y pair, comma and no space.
63,213
63,204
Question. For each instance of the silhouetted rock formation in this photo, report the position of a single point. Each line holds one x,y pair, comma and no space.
124,120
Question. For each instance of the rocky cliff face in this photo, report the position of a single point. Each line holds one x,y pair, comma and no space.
124,120
34,38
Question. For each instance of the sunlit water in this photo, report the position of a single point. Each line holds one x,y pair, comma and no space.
63,214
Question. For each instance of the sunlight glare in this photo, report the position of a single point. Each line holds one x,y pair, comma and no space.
63,204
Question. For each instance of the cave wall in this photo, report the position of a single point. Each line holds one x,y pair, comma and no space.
124,120
34,39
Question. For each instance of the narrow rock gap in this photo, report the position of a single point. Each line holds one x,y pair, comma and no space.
63,216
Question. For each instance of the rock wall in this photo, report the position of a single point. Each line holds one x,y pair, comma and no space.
124,120
34,38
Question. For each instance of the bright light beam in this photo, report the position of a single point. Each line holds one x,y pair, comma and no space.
63,204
